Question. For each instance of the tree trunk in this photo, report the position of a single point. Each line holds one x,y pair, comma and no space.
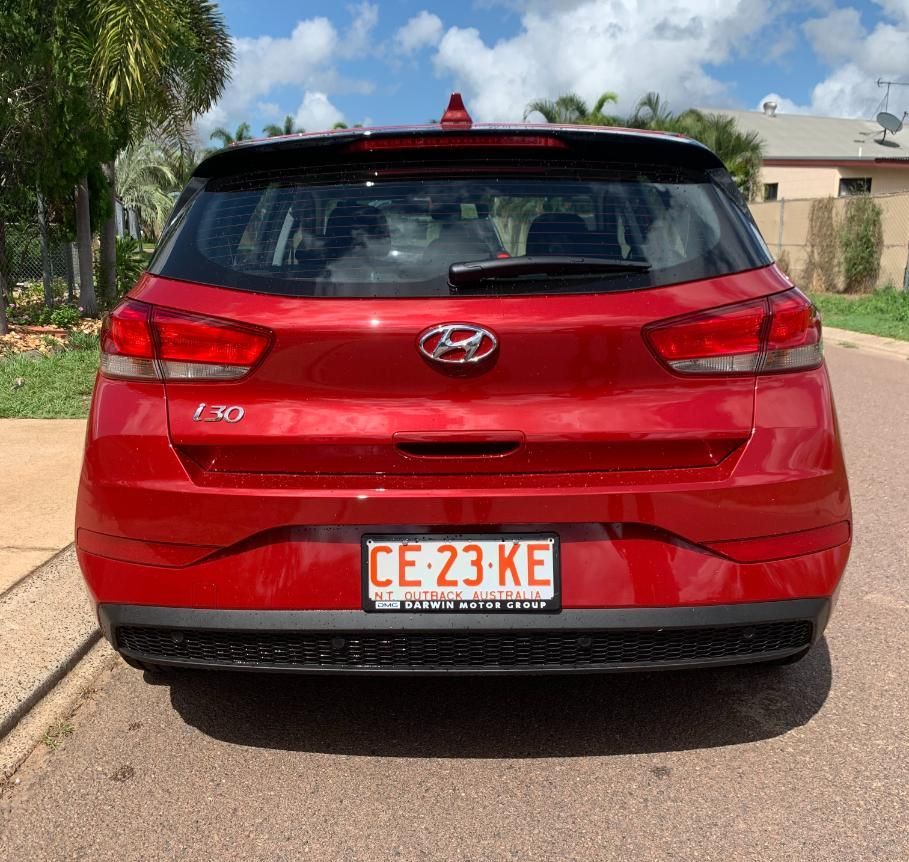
87,299
4,279
109,238
44,242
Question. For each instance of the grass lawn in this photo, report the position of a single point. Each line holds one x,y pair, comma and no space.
884,312
58,386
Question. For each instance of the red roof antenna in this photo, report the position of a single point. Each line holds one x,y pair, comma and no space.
456,114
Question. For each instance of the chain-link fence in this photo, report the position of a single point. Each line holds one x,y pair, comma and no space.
24,257
26,263
787,228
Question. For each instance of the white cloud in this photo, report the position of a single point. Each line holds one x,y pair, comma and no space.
269,110
858,58
589,46
421,31
316,112
834,36
898,10
305,59
358,38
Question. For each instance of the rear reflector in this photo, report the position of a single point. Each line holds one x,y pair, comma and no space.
782,546
142,552
142,342
777,333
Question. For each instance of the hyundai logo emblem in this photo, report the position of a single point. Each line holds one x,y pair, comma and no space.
457,344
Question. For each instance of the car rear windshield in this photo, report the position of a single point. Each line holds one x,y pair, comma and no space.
395,228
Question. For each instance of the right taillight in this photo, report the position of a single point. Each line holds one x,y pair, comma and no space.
794,334
143,342
777,333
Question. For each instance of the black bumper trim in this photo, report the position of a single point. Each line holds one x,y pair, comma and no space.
358,623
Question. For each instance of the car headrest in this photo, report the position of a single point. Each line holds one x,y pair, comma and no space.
369,220
558,233
446,212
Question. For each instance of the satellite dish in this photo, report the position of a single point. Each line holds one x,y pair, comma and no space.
889,122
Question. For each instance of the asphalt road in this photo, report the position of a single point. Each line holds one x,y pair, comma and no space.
802,763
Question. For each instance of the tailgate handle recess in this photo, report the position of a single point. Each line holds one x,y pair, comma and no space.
442,444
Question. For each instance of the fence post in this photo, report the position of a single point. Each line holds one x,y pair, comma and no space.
70,272
906,271
47,273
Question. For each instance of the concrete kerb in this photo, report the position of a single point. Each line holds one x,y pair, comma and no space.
10,587
47,625
9,721
862,341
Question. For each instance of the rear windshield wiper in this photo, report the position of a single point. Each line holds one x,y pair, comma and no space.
539,267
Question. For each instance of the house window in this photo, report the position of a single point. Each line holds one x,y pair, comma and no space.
855,186
771,191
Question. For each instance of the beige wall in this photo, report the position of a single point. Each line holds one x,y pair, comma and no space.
784,224
825,182
803,182
884,181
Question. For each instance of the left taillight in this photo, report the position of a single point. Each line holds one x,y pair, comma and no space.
777,333
144,342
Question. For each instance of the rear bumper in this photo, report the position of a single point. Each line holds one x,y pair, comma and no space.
573,641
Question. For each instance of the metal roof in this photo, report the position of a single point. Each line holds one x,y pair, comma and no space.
804,137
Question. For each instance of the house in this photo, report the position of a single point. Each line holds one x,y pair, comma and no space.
815,157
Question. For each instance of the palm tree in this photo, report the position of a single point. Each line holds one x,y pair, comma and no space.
154,65
651,112
181,162
243,133
741,152
289,128
572,109
146,182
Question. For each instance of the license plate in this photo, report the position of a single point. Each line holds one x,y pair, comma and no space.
515,573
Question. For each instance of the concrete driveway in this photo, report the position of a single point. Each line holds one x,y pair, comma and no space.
802,763
40,461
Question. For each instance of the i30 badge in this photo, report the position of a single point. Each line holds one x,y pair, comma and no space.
456,344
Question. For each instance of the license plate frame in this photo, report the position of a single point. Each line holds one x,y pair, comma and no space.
465,606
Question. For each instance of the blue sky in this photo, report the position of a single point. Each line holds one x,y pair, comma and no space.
395,61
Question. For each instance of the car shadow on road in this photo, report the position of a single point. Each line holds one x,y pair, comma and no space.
500,717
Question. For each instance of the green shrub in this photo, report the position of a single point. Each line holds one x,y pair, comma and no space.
130,263
821,272
861,243
65,316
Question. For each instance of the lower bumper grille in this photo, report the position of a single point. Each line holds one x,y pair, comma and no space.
473,650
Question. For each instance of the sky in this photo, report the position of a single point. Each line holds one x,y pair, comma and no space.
384,62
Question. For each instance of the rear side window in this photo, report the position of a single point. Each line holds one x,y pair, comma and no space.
395,229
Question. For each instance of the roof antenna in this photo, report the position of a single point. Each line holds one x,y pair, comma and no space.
884,104
456,114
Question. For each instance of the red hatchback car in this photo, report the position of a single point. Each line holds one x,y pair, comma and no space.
463,398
